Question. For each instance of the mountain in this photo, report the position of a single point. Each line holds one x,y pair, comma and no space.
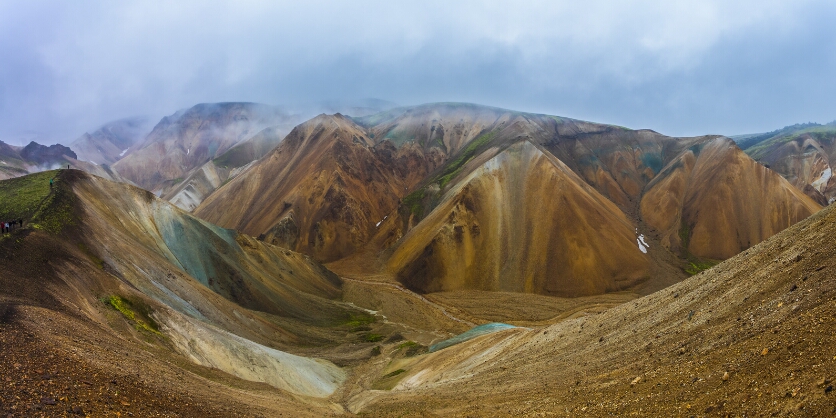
713,201
118,266
321,191
111,142
17,161
203,181
495,231
185,141
446,197
802,154
753,335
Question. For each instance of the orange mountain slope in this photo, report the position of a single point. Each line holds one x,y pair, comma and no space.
714,201
522,222
321,191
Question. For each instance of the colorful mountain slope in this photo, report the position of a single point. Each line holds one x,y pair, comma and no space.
522,222
329,193
754,335
189,288
321,191
713,201
190,138
803,154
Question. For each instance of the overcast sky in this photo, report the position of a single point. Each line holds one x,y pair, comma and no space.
680,68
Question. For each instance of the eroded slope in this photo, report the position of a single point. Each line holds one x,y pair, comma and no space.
522,222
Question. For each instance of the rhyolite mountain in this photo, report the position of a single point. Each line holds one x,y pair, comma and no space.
118,302
110,142
186,288
458,196
804,154
17,161
183,143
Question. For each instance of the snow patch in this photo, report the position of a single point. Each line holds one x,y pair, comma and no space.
188,151
381,221
642,243
821,183
122,154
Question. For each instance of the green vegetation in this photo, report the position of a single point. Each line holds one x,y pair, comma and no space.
32,199
407,344
412,348
454,168
359,320
684,235
395,373
21,197
372,337
136,312
697,266
414,202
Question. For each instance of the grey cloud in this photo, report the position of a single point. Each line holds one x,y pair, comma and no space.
681,68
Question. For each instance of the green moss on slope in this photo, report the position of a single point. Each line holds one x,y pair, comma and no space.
136,312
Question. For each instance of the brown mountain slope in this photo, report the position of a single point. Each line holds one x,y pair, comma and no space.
714,201
190,138
321,191
183,289
803,154
340,202
522,222
753,336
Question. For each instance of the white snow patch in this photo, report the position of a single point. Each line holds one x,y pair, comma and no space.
642,243
821,183
381,221
188,151
121,154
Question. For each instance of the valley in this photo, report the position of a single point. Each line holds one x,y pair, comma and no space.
446,259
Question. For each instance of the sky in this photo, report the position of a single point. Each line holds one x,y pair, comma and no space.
680,68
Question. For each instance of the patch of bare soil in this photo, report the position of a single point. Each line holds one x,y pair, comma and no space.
53,365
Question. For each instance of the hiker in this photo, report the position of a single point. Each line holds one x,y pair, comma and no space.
50,183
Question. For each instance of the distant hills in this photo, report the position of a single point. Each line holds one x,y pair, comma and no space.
17,161
458,196
802,153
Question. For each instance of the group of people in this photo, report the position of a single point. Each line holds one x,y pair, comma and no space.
8,226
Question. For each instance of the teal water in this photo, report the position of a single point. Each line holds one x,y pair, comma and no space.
471,334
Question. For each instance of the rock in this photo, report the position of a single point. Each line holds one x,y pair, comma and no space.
765,351
636,381
77,410
46,400
828,389
725,376
793,287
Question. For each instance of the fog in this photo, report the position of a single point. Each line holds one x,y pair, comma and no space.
680,68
